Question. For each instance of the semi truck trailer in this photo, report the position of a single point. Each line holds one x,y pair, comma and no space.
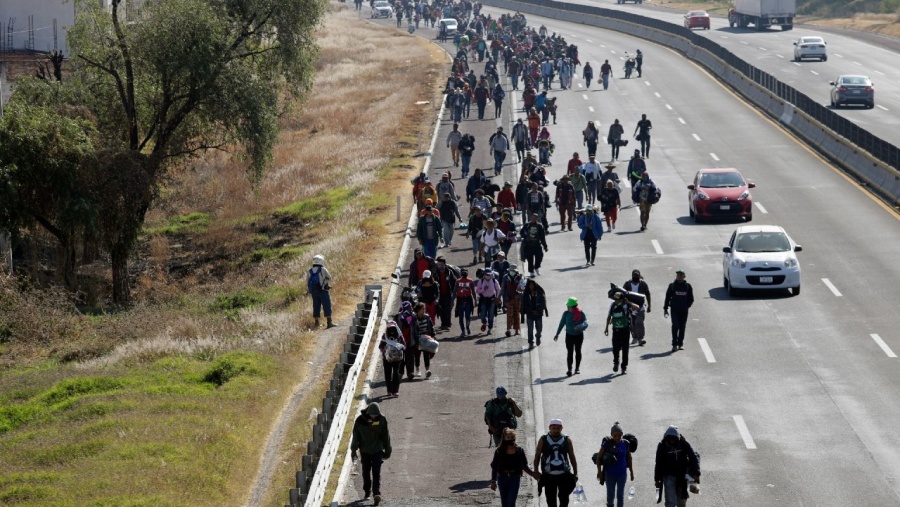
762,14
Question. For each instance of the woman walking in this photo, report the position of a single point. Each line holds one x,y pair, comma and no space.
575,321
429,293
610,202
613,465
393,351
591,137
591,232
507,467
422,325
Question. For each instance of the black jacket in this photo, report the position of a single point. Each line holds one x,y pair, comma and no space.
676,460
534,304
680,296
643,288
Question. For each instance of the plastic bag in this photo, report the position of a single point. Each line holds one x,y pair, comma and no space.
578,495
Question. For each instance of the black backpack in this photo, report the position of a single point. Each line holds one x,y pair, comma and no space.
632,442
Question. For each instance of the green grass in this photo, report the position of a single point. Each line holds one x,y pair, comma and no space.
192,223
285,253
320,207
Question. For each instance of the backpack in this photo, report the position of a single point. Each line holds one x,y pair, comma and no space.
655,196
610,457
502,417
552,459
632,442
393,352
619,313
314,281
455,270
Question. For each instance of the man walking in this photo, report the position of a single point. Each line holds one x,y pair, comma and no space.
500,413
620,317
499,144
520,138
429,232
592,172
639,60
482,94
637,284
372,440
446,280
645,193
642,131
453,139
680,297
465,301
555,458
675,460
605,73
534,308
588,74
533,240
466,148
636,167
565,202
318,286
591,232
449,214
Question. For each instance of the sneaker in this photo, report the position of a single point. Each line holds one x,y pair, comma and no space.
609,229
642,343
614,226
643,227
681,347
577,371
615,367
674,348
427,373
623,370
417,374
592,263
569,373
538,271
367,495
508,332
588,263
490,330
474,260
377,499
634,341
531,274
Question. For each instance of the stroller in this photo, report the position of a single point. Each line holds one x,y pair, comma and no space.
629,66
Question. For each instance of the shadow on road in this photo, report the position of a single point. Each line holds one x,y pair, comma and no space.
469,486
647,357
606,379
511,353
721,294
552,380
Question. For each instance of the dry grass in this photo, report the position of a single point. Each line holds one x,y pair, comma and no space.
136,398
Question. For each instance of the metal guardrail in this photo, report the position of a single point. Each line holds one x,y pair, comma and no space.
321,451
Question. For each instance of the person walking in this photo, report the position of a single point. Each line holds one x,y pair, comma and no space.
638,285
318,285
449,213
534,124
565,202
498,94
422,325
535,204
428,293
465,301
554,457
507,467
573,165
592,174
588,74
513,285
488,290
610,202
520,139
466,149
533,240
500,414
591,138
405,319
614,138
645,192
605,74
614,463
491,239
429,232
642,134
482,94
393,352
445,277
371,444
579,184
591,232
575,321
675,461
679,297
499,144
474,230
534,308
620,317
636,167
639,61
453,139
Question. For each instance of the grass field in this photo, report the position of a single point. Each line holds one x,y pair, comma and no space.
169,402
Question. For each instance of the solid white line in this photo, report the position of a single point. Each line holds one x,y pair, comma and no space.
884,346
668,107
682,121
704,346
656,247
591,108
745,433
831,287
657,95
760,207
882,107
814,72
696,136
714,157
585,96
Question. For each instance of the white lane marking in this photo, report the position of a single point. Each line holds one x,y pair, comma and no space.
882,107
857,63
668,107
601,45
573,35
704,346
884,346
682,121
797,64
589,40
696,136
611,51
724,37
763,49
745,433
714,157
647,83
657,95
839,56
760,207
627,183
879,72
744,42
831,287
656,247
580,85
779,56
814,72
591,108
585,96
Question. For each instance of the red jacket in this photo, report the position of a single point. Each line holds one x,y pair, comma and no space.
507,199
574,164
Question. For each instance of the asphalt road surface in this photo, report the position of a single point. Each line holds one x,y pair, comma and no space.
789,400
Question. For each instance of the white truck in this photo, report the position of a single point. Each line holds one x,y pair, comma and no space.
763,13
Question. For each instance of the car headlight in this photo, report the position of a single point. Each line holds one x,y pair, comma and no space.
739,263
702,196
744,196
790,263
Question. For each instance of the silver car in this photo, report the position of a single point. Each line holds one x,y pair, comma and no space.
852,90
382,9
810,47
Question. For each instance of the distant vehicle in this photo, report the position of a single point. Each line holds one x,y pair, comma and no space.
852,90
451,25
635,1
810,47
762,14
382,9
761,257
720,193
696,19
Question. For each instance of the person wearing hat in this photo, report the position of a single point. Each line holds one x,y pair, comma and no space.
636,167
488,291
491,237
453,139
499,145
474,230
637,284
609,175
429,232
449,213
481,201
405,319
614,464
513,285
646,193
507,467
500,413
428,293
675,460
499,267
680,297
619,315
507,198
507,226
534,243
520,138
393,354
423,325
318,285
554,457
575,321
565,202
592,172
464,294
418,266
591,232
434,210
446,186
428,192
372,441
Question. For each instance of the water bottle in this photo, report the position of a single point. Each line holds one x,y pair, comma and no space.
631,493
579,498
657,493
354,468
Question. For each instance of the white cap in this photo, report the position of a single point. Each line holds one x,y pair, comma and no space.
557,422
426,274
318,260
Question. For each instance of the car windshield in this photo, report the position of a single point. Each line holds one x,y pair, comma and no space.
855,80
721,180
382,4
756,242
811,40
695,14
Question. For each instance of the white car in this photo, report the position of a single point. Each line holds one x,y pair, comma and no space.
451,25
761,257
382,9
810,47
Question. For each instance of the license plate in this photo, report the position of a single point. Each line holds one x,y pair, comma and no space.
724,206
855,92
765,279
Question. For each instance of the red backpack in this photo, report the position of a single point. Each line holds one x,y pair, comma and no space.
464,289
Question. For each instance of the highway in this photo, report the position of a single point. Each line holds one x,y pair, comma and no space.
773,50
817,394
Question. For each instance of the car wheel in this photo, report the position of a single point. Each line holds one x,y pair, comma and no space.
824,58
731,290
795,291
749,217
871,105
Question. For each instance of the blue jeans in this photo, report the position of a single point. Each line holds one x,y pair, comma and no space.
614,482
448,231
321,300
499,157
457,113
509,489
579,198
534,323
465,315
605,81
476,245
486,310
466,160
429,247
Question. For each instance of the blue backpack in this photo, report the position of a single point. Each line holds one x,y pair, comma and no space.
313,281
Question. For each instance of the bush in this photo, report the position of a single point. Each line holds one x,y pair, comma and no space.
234,364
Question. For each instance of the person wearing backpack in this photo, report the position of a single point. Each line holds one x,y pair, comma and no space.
445,276
473,231
575,321
491,237
554,457
620,313
500,413
591,232
676,459
318,285
533,240
464,292
513,285
614,465
422,325
488,290
637,284
646,193
534,308
405,319
393,352
498,95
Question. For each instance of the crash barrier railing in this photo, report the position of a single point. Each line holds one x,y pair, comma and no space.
315,465
878,170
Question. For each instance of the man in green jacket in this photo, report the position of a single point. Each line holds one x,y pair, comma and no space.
373,440
579,183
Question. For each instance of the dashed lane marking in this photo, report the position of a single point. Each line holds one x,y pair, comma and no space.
745,433
591,108
831,287
668,107
884,346
714,157
657,95
682,121
760,207
656,247
704,346
882,107
814,72
696,136
585,96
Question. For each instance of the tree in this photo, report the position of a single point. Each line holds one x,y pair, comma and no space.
187,76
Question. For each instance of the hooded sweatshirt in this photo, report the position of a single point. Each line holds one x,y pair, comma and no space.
371,436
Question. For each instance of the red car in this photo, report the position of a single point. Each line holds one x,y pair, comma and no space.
696,19
720,193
